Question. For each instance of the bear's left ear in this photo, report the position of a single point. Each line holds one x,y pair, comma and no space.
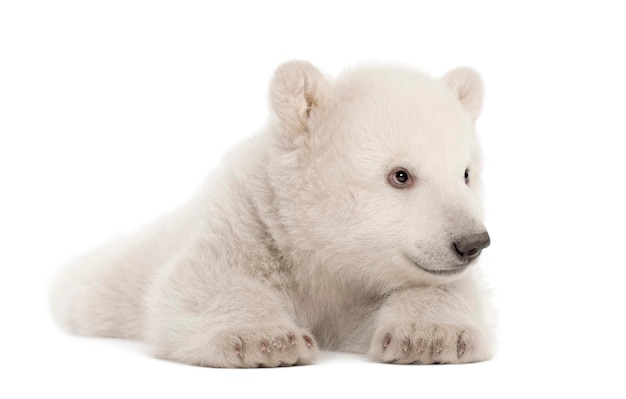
467,86
296,89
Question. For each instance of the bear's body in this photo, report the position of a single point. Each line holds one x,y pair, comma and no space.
350,223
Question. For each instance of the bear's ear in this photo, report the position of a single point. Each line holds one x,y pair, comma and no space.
296,89
467,86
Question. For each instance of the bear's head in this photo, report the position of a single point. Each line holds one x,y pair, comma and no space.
376,174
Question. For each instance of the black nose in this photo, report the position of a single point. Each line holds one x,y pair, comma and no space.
470,246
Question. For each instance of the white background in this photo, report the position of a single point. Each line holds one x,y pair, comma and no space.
112,113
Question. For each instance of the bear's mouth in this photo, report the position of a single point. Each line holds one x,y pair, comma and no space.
440,272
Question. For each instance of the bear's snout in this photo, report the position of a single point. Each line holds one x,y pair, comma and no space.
470,246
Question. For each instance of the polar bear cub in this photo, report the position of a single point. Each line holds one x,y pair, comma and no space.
351,222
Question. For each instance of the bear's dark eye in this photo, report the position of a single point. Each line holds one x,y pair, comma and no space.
400,178
467,176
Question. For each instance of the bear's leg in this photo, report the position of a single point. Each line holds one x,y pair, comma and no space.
217,316
431,325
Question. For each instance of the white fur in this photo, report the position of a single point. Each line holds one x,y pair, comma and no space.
298,240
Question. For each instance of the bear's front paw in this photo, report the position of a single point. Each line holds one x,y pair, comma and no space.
265,346
425,343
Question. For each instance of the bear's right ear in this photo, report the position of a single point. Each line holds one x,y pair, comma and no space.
296,90
467,85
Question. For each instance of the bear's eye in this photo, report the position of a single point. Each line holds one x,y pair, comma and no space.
400,178
467,177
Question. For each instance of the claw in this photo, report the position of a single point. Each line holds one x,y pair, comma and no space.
386,340
239,347
438,346
265,347
421,346
406,345
463,343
